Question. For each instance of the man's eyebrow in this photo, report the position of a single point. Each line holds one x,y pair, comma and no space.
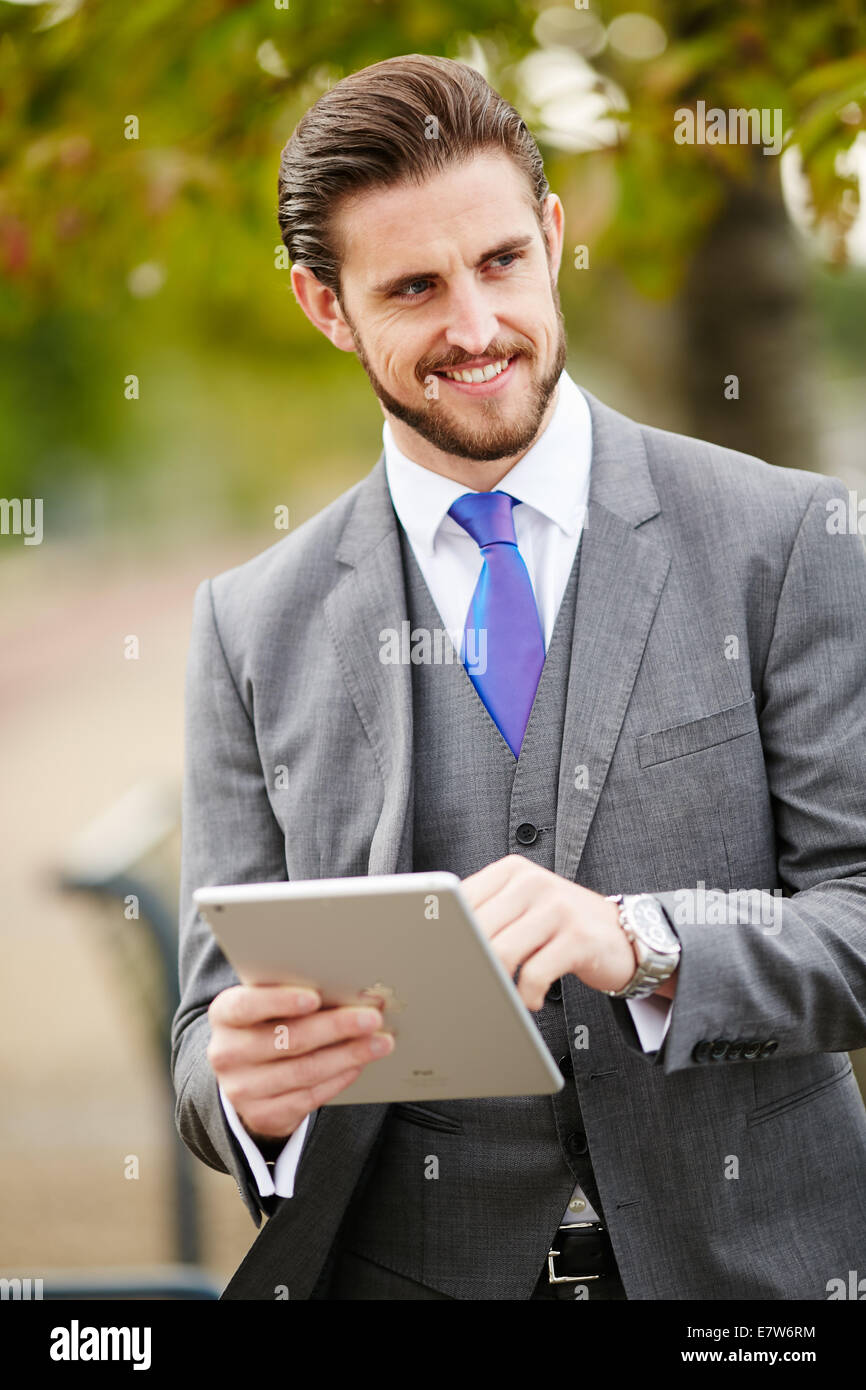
387,287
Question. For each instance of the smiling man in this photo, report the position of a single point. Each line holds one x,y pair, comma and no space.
671,713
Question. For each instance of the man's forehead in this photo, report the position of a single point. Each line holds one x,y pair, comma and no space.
468,208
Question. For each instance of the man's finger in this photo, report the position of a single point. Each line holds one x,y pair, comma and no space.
274,1041
300,1073
279,1118
521,939
538,973
241,1006
480,886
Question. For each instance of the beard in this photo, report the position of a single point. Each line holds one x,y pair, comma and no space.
490,437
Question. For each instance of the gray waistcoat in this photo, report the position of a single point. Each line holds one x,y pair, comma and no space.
466,1195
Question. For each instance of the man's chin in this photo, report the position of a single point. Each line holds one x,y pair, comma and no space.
453,437
486,441
479,446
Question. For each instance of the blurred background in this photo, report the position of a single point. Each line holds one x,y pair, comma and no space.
163,395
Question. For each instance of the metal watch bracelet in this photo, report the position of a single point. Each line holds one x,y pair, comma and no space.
650,970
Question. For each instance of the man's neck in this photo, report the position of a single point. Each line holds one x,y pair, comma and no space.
481,476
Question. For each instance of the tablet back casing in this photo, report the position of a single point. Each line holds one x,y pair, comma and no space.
460,1027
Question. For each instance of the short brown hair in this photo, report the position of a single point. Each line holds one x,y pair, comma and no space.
402,119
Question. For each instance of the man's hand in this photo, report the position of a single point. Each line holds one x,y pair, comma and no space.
548,927
279,1055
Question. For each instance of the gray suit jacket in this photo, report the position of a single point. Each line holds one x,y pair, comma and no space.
717,707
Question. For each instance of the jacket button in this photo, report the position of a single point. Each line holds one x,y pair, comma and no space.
719,1049
751,1050
554,994
566,1066
526,833
701,1050
576,1143
768,1049
735,1050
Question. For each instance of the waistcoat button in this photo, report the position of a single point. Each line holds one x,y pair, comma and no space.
526,833
576,1142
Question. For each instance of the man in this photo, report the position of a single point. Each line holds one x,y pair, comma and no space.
673,709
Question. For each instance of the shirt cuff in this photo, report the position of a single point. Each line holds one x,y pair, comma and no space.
282,1184
652,1018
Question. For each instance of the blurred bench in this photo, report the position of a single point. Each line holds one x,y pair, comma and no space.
128,860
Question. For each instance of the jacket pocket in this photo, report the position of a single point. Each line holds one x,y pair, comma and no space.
802,1096
427,1119
697,734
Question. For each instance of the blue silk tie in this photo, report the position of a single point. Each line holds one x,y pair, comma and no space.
503,642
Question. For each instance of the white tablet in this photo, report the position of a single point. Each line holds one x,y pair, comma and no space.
459,1025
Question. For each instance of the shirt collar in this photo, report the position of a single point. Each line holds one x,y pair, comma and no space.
552,476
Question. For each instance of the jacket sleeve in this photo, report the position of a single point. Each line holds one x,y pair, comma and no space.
229,835
786,972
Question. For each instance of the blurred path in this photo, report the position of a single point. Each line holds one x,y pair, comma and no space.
79,725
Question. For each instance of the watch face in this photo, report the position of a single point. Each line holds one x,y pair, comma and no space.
653,925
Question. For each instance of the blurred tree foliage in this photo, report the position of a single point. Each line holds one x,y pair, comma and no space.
809,62
706,223
216,89
119,254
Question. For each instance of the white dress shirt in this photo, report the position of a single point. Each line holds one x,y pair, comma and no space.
551,484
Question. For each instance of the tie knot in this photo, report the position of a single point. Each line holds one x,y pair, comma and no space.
487,516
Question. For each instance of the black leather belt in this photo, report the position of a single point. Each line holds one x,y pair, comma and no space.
581,1253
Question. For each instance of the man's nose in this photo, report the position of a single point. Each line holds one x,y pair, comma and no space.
472,324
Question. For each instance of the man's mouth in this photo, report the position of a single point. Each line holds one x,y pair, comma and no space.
486,373
478,376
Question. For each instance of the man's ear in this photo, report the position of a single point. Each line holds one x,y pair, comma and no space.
554,231
322,308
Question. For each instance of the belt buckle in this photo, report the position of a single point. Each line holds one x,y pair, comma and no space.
552,1276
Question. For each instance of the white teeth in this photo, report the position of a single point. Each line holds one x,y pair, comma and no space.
479,373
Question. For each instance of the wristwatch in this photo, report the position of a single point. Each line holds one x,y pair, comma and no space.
656,945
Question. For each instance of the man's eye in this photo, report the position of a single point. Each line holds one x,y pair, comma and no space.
510,256
405,293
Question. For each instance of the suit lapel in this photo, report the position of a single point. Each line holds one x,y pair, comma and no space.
368,600
622,574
